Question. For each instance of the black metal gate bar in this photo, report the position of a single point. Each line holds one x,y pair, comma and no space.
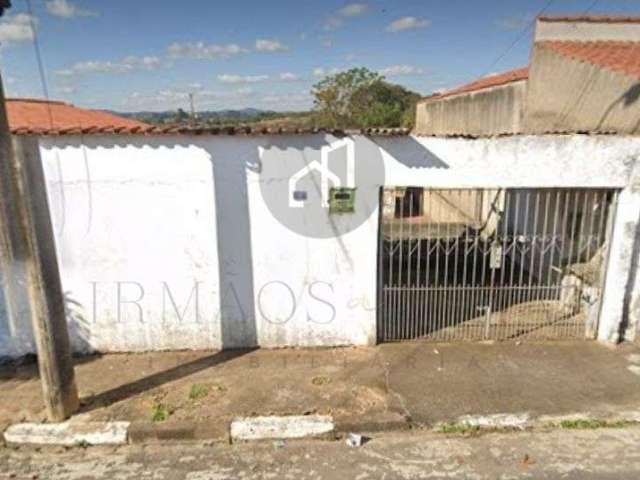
491,264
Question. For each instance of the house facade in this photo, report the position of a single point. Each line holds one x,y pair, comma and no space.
180,238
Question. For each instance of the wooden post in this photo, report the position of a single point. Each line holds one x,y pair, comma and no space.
26,234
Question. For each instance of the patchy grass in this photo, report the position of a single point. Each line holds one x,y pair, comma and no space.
83,444
320,380
592,424
459,428
219,388
160,412
198,391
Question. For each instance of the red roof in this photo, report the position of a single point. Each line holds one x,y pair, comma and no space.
42,116
622,57
591,19
33,117
487,82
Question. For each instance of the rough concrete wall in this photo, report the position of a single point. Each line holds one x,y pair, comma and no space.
620,312
490,111
135,224
156,215
587,31
568,95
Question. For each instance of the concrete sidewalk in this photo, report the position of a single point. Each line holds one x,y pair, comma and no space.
387,387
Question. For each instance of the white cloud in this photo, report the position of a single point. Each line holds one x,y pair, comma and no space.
66,89
226,78
17,28
287,101
178,97
66,9
351,10
267,45
326,42
333,23
199,50
407,23
126,65
243,92
242,96
289,77
321,72
400,70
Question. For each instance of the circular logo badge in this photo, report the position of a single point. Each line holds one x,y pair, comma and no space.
324,187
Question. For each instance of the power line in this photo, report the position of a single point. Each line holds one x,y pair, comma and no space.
45,92
522,34
593,4
528,27
36,47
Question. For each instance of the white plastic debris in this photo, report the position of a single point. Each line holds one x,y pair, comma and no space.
356,440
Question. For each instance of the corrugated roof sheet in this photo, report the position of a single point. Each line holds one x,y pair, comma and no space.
622,57
42,117
487,82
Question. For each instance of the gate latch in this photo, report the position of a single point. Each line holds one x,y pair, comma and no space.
495,259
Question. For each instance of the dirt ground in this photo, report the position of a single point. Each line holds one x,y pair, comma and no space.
423,382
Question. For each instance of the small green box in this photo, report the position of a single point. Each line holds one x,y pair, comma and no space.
342,200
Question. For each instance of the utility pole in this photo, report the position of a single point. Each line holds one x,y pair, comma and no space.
30,265
193,108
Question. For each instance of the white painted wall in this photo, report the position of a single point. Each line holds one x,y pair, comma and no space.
157,214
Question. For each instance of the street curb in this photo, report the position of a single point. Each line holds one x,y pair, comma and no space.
3,428
377,424
75,433
521,421
146,432
67,433
288,427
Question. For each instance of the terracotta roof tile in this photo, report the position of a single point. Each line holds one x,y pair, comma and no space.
622,57
487,82
32,114
34,117
31,117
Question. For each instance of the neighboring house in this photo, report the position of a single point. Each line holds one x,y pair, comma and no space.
206,238
593,64
492,105
584,76
32,116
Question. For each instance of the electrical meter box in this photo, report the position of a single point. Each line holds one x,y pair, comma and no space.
342,200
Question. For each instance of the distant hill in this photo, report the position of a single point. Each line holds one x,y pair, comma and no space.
216,117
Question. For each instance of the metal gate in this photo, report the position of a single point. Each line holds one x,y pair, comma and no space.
492,264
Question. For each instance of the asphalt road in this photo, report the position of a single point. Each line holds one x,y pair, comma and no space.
566,454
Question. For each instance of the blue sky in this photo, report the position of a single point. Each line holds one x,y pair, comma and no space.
148,54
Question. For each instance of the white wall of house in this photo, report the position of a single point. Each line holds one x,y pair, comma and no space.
167,243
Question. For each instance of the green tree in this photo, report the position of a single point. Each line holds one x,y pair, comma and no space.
335,96
181,116
385,104
360,98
